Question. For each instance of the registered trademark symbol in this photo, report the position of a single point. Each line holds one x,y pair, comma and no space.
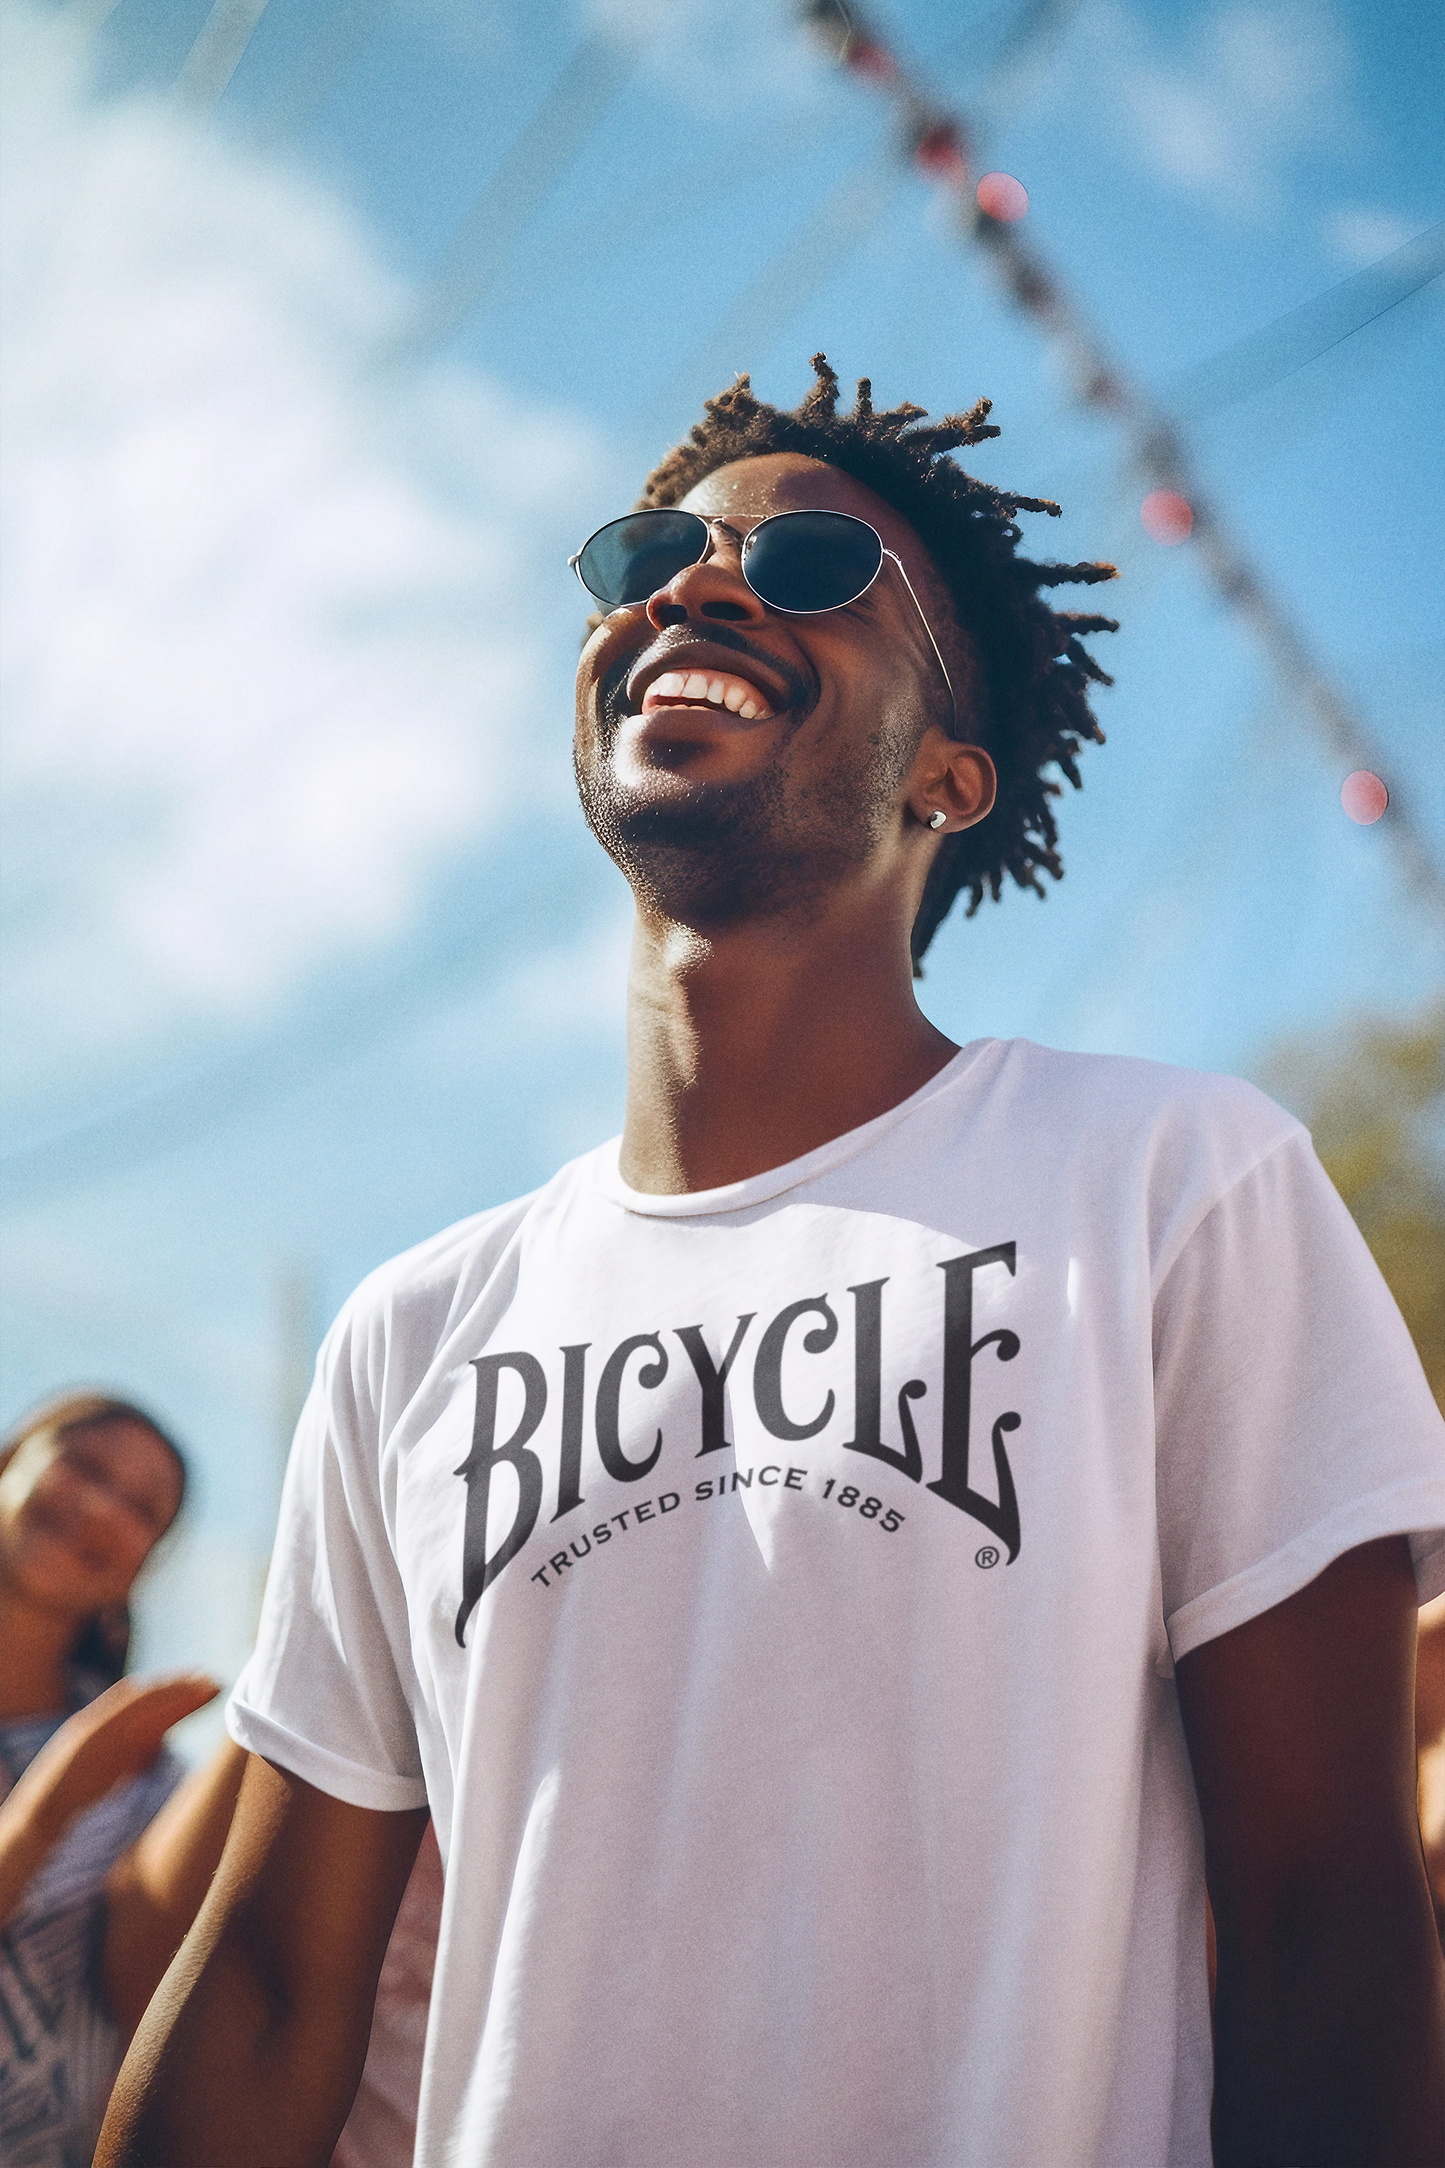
988,1556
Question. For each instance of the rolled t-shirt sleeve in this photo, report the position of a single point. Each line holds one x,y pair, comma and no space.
1293,1419
328,1692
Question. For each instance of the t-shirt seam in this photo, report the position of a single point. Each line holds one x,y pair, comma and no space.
1288,1136
1342,1511
244,1708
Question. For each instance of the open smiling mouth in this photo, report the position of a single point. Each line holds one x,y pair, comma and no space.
719,677
707,689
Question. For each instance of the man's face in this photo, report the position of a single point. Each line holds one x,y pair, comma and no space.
736,761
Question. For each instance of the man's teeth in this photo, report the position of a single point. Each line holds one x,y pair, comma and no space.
734,694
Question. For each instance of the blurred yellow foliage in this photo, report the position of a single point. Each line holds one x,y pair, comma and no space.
1374,1102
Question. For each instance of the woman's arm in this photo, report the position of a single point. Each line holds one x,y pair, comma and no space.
155,1890
117,1736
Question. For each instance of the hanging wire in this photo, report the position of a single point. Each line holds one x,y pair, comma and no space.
785,284
482,243
217,53
1281,348
336,43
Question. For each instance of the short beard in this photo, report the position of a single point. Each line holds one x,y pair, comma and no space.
721,854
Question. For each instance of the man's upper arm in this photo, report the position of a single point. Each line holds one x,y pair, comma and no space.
316,1879
254,2044
1331,2000
1301,1721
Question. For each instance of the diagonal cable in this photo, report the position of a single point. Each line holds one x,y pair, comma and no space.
333,48
786,283
1281,348
480,247
346,1025
217,53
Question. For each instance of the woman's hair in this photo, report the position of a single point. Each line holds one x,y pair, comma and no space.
103,1642
1029,704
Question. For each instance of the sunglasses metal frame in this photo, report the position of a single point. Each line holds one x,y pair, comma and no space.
671,511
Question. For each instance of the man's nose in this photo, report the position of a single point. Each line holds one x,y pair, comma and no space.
714,588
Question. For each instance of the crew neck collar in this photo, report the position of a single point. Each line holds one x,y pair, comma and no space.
759,1188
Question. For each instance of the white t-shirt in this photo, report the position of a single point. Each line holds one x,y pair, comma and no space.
774,1590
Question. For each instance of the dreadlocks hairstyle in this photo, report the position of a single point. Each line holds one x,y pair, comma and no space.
1030,694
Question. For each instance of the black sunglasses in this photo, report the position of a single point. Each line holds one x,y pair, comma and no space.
801,563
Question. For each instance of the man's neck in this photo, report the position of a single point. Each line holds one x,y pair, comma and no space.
749,1047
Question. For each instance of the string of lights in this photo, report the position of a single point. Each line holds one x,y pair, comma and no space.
987,211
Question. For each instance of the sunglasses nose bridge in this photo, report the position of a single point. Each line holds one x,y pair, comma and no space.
710,586
790,542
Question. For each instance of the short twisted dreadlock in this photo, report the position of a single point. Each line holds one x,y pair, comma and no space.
1032,707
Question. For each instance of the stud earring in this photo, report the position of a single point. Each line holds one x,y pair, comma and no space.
937,817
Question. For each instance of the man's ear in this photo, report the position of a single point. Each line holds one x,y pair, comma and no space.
959,781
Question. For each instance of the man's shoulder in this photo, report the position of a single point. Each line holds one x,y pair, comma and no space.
420,1288
1181,1138
1118,1094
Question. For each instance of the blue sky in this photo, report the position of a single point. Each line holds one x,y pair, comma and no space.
310,388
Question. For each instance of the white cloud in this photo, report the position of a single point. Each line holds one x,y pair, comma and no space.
265,622
1222,109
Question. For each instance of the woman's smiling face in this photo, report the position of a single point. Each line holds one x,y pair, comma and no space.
80,1511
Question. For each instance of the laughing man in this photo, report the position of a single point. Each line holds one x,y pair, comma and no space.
847,1564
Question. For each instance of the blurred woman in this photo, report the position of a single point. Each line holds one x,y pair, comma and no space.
95,1891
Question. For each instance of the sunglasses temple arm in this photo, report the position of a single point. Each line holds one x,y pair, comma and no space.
922,619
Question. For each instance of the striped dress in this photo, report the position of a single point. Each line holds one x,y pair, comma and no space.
59,2046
